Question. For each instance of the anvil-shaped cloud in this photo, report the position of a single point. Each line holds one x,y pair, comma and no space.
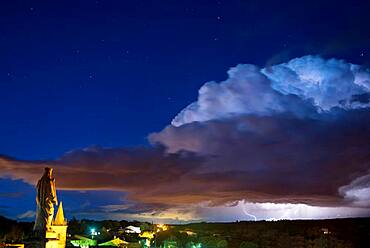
293,133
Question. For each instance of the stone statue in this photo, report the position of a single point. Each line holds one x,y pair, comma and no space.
46,198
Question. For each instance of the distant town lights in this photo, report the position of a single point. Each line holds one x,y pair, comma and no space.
94,232
162,227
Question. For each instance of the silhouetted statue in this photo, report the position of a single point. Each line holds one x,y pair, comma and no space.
46,198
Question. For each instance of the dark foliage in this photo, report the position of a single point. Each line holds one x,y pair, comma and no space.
335,233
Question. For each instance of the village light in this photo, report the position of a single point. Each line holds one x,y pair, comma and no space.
162,227
93,232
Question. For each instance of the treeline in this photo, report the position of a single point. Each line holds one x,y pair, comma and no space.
285,233
333,233
12,231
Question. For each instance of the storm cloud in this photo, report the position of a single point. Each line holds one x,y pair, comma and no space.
301,86
297,132
292,132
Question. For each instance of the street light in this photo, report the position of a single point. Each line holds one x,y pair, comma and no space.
93,233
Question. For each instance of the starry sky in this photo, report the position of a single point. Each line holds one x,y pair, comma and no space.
177,111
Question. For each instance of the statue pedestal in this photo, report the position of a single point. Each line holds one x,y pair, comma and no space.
56,237
51,243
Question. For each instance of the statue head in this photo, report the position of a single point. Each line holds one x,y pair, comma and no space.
48,172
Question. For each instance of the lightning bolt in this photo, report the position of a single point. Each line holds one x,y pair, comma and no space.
248,214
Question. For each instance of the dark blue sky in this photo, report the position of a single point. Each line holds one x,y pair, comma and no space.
81,73
77,74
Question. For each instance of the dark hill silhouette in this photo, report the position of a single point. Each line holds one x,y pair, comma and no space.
348,233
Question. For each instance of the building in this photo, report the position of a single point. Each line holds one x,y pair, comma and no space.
132,229
57,235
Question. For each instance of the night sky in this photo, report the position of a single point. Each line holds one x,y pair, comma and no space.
175,111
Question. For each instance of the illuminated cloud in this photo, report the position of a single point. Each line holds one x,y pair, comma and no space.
292,138
358,191
277,211
295,132
286,87
329,83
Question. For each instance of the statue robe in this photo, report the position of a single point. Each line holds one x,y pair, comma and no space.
45,199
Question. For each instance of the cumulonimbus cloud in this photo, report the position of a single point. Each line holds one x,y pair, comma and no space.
300,86
298,129
296,132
